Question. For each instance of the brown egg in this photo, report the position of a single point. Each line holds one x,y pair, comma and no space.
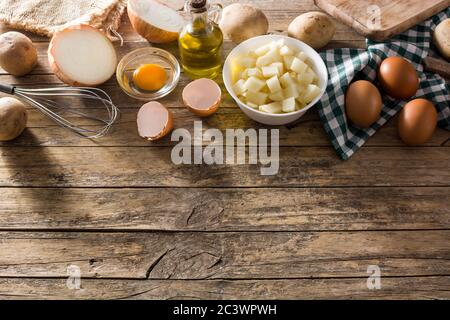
398,78
363,103
417,122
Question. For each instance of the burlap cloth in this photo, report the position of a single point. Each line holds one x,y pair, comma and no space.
47,16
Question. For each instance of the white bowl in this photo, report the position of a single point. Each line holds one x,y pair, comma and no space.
266,118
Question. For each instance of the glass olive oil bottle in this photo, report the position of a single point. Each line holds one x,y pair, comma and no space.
201,40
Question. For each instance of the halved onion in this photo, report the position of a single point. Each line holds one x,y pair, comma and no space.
81,55
154,20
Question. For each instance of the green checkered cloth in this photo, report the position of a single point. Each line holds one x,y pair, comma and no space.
346,65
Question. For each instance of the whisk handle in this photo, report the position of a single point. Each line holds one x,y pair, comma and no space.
6,88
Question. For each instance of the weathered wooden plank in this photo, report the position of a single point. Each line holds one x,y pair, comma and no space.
42,131
391,288
214,209
254,255
153,167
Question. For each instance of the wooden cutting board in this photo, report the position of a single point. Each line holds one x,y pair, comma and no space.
381,19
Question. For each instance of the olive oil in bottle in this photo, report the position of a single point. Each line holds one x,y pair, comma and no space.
201,40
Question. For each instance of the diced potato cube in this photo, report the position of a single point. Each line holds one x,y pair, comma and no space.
239,87
257,98
253,55
279,66
254,84
274,84
244,74
301,88
268,58
263,61
286,80
236,72
252,105
277,96
302,56
265,90
237,76
277,44
289,105
299,105
269,72
309,64
261,51
306,77
254,72
315,80
246,62
298,66
280,43
286,51
291,92
274,107
312,91
288,61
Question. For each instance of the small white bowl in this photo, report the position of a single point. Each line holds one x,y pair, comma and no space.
266,118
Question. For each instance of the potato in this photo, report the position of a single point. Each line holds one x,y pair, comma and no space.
254,84
277,96
269,72
286,80
312,91
18,56
289,105
239,87
274,107
257,98
274,84
268,58
314,28
242,21
254,72
298,66
291,92
441,37
13,118
286,51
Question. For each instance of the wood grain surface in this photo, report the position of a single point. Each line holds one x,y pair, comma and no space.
140,227
225,209
229,255
394,16
342,288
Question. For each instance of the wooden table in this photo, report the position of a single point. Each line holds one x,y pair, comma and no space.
141,227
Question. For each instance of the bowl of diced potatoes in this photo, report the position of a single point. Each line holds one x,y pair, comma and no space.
275,79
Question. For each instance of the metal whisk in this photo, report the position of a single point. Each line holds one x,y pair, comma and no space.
42,100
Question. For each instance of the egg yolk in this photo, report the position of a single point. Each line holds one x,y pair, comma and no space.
151,77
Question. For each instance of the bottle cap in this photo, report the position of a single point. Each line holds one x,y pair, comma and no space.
197,4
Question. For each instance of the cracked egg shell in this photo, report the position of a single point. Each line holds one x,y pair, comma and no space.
154,121
202,97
